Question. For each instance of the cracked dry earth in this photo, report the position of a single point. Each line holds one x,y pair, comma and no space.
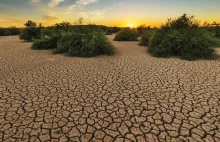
130,96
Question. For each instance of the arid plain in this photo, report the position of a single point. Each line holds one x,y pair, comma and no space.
130,96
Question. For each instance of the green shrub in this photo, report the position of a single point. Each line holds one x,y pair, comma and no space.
218,43
3,32
127,34
102,45
47,41
31,32
109,31
213,27
145,38
43,44
115,29
217,31
9,31
72,40
13,30
142,29
68,41
182,37
84,45
64,26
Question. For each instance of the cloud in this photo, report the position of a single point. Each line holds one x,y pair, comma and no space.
54,3
86,2
47,17
51,4
81,3
35,1
71,7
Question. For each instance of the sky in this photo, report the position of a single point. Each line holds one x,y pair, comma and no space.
105,12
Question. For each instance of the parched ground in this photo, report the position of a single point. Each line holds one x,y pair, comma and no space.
130,96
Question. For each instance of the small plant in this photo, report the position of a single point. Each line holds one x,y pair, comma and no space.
182,37
127,34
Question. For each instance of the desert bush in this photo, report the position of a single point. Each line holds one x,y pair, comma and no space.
109,31
48,40
142,29
73,40
13,30
102,45
145,38
50,32
67,41
46,43
127,34
182,37
3,32
84,45
217,31
64,26
115,29
213,27
43,44
9,31
31,32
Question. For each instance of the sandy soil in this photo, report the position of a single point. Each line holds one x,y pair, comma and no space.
129,96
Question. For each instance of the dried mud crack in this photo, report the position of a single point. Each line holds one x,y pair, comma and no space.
130,96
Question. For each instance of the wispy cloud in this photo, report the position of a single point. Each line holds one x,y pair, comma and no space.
86,2
35,1
81,3
51,3
54,3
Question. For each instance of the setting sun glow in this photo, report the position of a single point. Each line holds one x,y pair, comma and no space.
130,25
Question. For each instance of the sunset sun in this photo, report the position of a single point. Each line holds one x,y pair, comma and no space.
130,25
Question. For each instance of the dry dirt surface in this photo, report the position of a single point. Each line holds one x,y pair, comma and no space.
130,96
